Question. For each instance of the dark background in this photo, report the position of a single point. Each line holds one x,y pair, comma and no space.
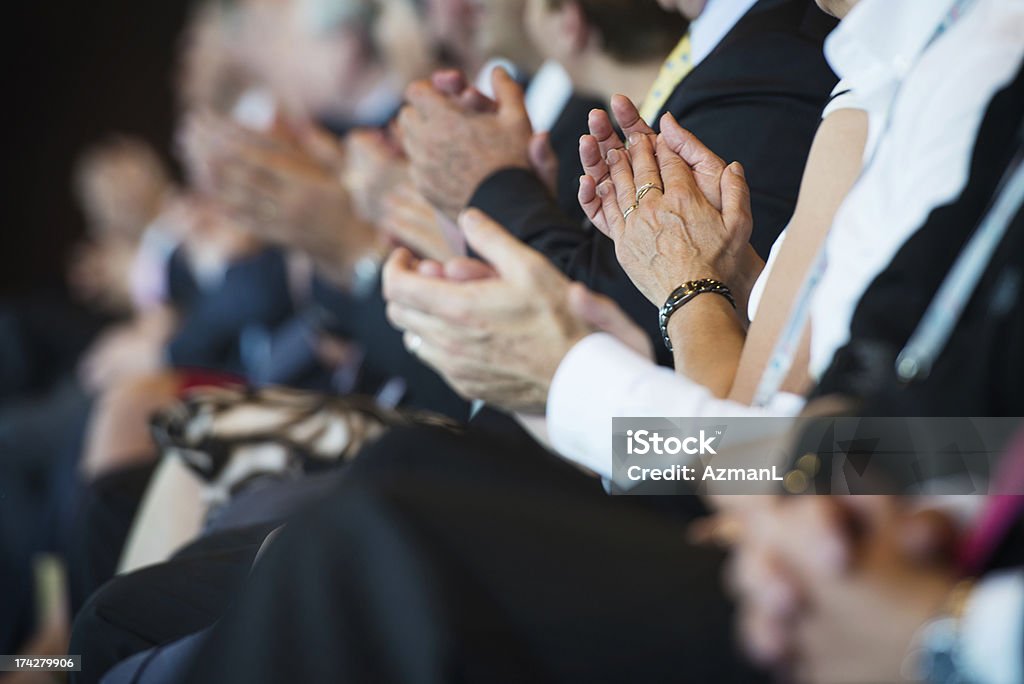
73,72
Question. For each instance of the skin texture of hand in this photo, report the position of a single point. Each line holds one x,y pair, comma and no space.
413,222
374,168
496,332
824,581
454,145
677,233
281,192
544,161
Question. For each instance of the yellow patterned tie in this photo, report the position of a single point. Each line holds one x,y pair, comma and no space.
673,71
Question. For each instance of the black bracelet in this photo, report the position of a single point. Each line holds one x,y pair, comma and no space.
685,293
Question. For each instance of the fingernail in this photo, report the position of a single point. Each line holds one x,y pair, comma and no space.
604,188
612,156
634,139
737,168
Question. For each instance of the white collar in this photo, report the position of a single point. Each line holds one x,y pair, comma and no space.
717,19
882,39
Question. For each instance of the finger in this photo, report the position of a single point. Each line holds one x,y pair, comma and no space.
506,253
473,100
431,329
707,166
622,177
432,355
603,131
610,209
736,212
644,163
465,268
629,117
431,295
509,95
592,159
543,160
425,98
602,313
449,81
430,268
675,173
591,203
400,262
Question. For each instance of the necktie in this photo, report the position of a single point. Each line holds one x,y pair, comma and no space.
673,71
1001,510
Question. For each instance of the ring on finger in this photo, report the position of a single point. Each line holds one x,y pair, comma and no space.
642,191
629,210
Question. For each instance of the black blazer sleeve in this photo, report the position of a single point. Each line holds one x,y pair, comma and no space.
756,99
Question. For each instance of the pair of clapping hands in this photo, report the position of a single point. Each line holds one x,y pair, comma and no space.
838,589
298,185
501,335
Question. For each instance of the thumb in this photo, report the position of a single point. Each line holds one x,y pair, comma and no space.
603,314
508,93
544,161
509,257
736,211
449,81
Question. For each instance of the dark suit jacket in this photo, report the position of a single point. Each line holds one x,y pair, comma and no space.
757,98
253,293
981,370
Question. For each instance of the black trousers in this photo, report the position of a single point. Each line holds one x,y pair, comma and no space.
449,559
164,602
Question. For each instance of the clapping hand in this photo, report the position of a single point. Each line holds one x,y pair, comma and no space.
497,331
675,210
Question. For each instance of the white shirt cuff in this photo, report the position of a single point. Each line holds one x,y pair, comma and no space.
601,378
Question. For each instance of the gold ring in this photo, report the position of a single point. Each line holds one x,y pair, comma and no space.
644,189
629,210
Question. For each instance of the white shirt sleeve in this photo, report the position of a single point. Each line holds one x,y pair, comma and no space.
601,378
843,97
992,630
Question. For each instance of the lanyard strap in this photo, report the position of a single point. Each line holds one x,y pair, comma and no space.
932,333
785,349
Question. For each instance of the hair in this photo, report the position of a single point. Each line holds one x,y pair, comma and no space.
632,30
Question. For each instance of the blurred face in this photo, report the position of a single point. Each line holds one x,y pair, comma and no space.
500,27
476,30
321,58
452,24
403,41
121,186
542,27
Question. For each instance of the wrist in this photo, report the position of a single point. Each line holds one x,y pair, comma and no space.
684,297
